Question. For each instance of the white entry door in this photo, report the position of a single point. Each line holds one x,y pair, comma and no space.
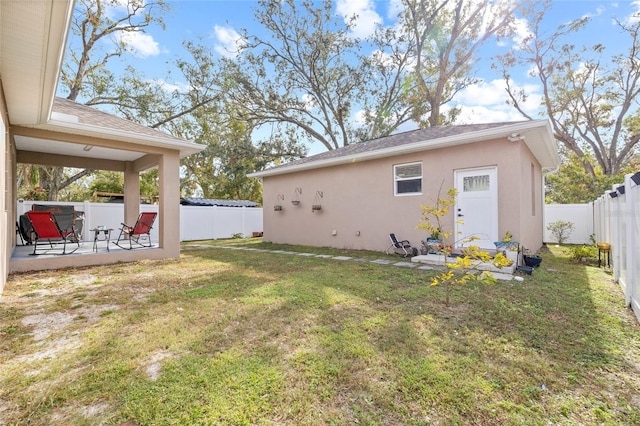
477,206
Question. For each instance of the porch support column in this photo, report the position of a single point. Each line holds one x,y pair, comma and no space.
169,188
131,194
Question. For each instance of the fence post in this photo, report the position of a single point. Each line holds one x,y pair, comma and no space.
215,220
244,222
86,225
614,226
632,246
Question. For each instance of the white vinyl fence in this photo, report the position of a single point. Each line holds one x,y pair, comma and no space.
196,223
581,215
617,222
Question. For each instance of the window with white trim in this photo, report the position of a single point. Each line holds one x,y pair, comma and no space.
407,179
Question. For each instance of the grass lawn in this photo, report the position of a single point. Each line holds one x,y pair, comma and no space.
249,337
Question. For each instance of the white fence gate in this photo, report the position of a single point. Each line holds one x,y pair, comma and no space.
196,222
617,222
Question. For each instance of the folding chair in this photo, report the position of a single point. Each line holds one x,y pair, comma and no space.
45,227
137,232
401,247
19,234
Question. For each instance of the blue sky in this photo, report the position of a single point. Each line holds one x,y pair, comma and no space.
219,23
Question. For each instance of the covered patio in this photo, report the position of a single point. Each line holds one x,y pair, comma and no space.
38,128
82,137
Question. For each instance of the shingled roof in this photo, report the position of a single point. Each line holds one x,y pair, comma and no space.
416,140
398,139
88,115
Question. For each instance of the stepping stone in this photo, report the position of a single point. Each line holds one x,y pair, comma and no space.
382,261
502,277
426,268
343,258
306,254
405,264
324,256
360,260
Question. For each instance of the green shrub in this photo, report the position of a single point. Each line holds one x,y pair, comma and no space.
581,252
561,230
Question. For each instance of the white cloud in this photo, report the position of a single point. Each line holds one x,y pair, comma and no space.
366,17
115,8
171,87
395,7
382,58
229,41
635,13
139,43
309,101
486,102
359,118
522,31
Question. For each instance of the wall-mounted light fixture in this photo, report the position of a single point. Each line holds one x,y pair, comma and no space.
613,194
620,189
636,178
515,137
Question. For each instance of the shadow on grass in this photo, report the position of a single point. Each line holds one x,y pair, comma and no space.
496,354
251,337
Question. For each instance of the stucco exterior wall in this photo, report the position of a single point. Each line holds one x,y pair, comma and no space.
531,222
7,205
359,208
169,176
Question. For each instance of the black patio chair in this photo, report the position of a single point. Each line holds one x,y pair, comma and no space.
403,247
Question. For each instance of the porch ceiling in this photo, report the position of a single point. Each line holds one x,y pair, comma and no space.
47,146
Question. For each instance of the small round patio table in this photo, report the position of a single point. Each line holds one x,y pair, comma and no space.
106,235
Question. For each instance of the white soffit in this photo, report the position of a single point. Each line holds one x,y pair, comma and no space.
25,143
32,42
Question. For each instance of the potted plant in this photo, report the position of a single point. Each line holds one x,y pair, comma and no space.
532,260
296,197
316,206
507,246
434,242
507,243
278,204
